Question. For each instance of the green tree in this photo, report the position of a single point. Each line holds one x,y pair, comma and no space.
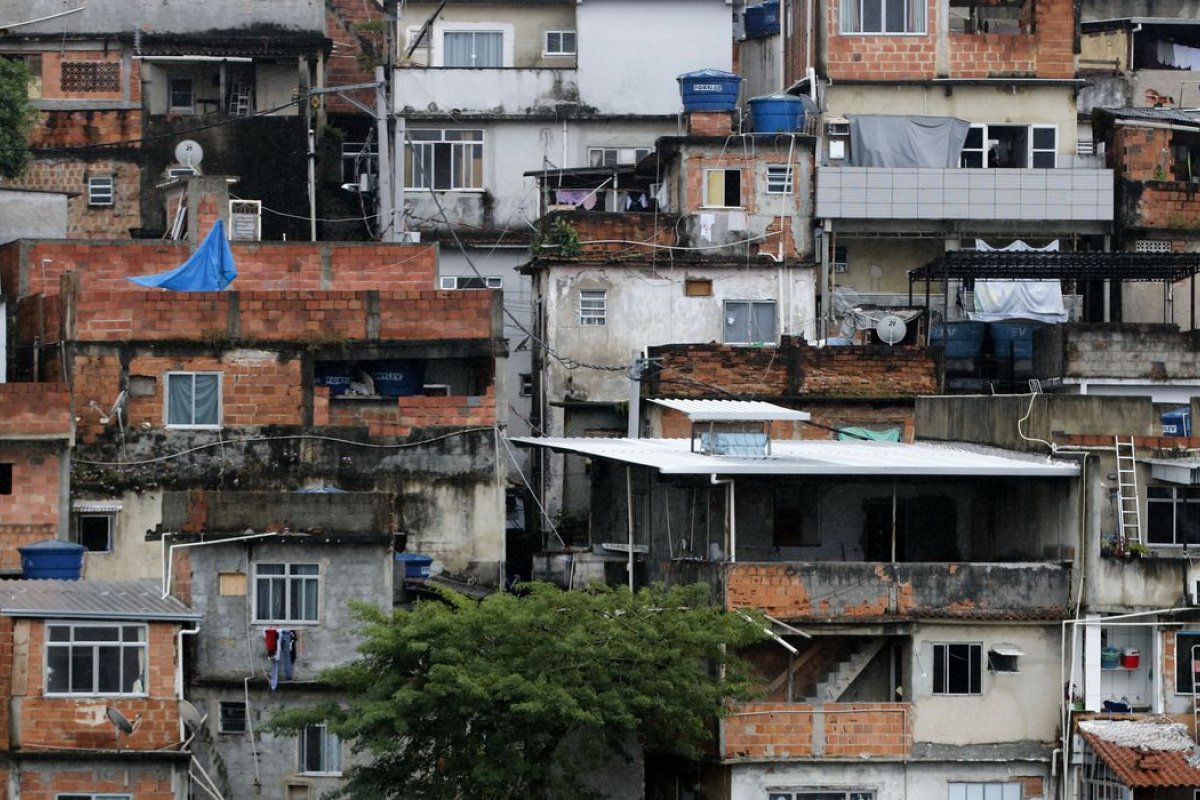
17,117
517,696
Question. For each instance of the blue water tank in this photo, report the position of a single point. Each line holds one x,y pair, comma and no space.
52,560
334,374
779,113
709,90
962,338
416,566
1177,422
1014,337
762,20
397,378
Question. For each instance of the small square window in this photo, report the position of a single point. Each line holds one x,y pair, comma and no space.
6,479
749,322
593,307
95,531
193,399
232,717
723,188
100,190
1004,659
779,179
182,97
560,43
957,668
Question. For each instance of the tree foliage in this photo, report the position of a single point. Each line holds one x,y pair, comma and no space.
517,696
17,117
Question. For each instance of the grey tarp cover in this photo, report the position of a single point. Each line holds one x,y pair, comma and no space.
877,140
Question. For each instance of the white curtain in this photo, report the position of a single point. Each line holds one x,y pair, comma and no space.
474,49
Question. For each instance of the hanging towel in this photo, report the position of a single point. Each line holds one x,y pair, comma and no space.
287,652
273,678
271,640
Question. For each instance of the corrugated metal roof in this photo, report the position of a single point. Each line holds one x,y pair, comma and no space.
86,599
1183,116
816,457
1144,753
733,410
1185,471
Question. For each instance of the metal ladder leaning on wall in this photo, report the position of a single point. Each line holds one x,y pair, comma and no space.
1129,510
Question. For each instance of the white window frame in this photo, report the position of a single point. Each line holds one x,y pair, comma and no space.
985,790
621,155
593,308
72,644
780,178
291,579
109,516
101,191
1030,150
561,50
221,705
192,425
804,794
711,202
90,796
414,177
1187,496
191,91
459,282
438,40
751,304
331,752
946,664
1034,150
920,29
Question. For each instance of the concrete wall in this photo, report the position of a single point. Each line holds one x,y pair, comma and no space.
625,65
758,64
132,555
274,85
118,16
524,28
32,215
1122,353
230,646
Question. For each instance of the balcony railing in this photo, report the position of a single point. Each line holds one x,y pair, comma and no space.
507,90
770,731
884,193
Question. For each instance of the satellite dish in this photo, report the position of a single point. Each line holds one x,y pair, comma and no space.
189,153
119,720
190,715
891,329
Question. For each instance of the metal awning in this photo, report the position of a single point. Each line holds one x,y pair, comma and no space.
733,411
1182,471
814,457
97,506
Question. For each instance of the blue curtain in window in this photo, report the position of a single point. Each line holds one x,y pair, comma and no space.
207,395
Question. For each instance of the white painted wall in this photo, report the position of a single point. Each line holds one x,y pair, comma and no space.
631,52
889,781
132,556
30,214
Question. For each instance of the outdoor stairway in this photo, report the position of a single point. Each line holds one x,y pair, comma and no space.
840,677
1129,514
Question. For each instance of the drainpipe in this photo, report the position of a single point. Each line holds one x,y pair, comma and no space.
179,671
169,558
629,522
729,493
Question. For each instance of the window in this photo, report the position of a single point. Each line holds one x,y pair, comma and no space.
749,321
473,49
985,791
841,258
614,156
6,479
286,592
957,668
593,306
723,188
1187,646
526,384
443,160
95,659
971,16
93,797
449,282
697,287
1044,148
1011,147
1004,658
560,43
779,179
100,190
1173,515
883,16
320,751
358,159
797,516
232,717
94,530
90,76
821,794
193,399
181,95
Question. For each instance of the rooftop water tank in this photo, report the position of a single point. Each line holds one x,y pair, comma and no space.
779,113
762,20
709,90
52,560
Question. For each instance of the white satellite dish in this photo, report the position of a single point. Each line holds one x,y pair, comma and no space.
191,715
891,329
189,153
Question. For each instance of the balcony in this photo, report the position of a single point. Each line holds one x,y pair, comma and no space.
773,731
883,193
824,591
501,90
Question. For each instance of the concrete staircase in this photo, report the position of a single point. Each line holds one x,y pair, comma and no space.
838,680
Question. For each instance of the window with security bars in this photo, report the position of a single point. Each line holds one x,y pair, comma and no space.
957,668
1100,782
444,160
593,307
232,717
90,76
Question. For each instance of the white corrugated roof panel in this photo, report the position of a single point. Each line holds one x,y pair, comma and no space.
733,410
817,457
1184,471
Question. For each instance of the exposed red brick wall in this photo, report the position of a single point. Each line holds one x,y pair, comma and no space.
71,175
80,722
38,783
262,266
52,69
6,665
1150,193
181,574
31,512
786,730
342,67
605,234
1170,443
36,410
1047,52
709,123
401,416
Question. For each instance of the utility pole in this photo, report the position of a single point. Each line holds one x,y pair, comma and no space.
387,228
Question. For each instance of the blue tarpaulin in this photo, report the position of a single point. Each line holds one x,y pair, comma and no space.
210,268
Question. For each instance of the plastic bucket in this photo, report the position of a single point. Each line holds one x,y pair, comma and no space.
1130,658
1110,658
